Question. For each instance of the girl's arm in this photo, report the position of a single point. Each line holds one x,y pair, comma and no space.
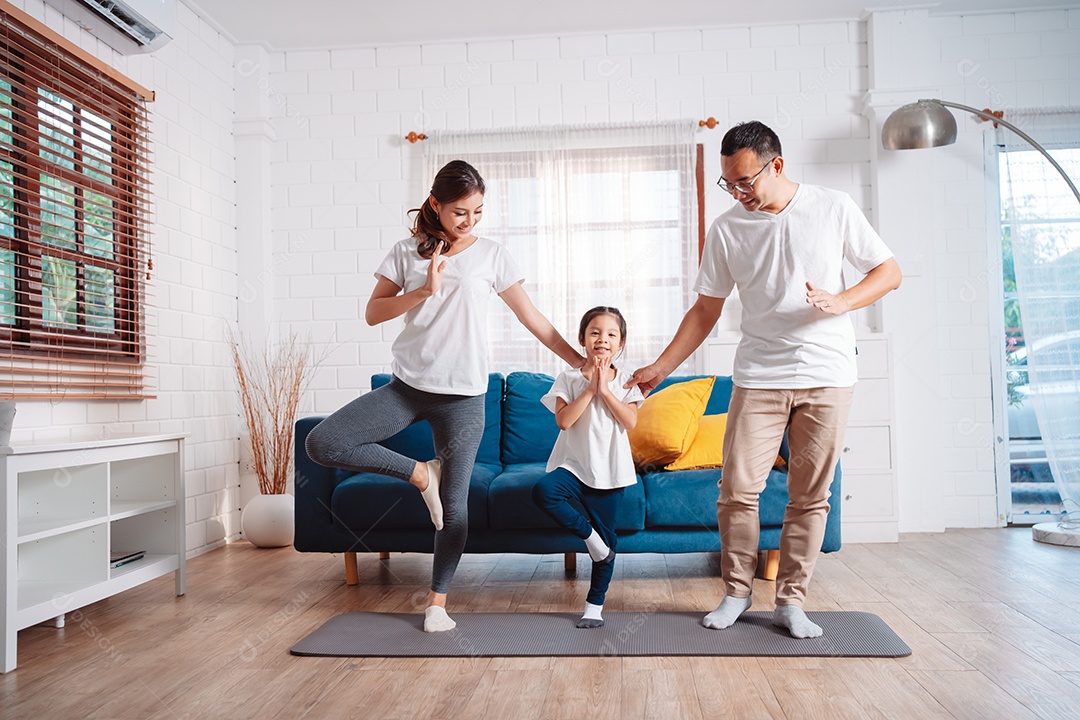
386,304
534,321
624,413
566,414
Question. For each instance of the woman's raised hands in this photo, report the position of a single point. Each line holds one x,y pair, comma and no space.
435,271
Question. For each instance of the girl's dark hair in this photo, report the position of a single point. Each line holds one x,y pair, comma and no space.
754,135
456,180
601,310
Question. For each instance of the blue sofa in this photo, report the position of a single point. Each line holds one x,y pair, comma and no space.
666,511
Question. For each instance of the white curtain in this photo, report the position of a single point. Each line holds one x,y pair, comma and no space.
593,215
1044,219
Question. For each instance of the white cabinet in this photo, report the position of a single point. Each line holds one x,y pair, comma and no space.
869,492
68,506
869,455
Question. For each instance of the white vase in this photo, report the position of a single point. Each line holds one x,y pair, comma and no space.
267,520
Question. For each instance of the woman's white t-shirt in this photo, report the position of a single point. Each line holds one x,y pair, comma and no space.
786,342
443,347
596,449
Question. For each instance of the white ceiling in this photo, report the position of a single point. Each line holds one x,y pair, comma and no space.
296,24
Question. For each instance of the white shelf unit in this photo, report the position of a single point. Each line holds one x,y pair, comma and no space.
869,483
869,461
67,506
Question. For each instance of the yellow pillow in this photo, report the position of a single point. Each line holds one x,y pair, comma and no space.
668,421
707,448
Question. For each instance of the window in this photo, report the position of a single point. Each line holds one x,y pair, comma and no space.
73,220
604,215
1040,263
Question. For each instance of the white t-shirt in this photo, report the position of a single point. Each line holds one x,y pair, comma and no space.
443,348
596,448
786,342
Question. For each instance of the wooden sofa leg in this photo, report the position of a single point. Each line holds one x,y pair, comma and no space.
352,577
768,564
384,556
570,563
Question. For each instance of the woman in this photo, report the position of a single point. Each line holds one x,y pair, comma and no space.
441,279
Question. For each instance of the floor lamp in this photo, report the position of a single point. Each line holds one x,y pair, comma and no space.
926,124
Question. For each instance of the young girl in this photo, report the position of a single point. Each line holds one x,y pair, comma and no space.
441,279
591,462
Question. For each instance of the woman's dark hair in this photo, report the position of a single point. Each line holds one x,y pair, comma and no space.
601,310
754,135
456,180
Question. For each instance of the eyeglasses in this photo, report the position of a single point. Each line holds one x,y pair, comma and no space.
743,186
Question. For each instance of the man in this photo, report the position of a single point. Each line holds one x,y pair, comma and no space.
783,245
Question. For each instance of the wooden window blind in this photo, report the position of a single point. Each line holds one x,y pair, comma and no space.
74,221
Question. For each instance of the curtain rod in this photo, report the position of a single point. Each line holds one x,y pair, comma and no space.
710,123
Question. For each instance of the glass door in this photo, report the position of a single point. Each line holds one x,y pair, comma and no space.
1031,495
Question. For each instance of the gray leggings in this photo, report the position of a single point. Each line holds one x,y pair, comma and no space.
348,439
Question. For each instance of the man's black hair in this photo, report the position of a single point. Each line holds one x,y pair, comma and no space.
754,135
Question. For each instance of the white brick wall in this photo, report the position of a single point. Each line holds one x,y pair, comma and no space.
343,178
194,280
946,469
801,79
808,81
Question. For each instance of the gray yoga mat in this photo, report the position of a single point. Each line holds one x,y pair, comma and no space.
364,634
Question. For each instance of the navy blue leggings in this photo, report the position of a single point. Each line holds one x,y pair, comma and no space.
349,439
580,508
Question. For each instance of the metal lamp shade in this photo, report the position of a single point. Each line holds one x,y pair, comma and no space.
922,124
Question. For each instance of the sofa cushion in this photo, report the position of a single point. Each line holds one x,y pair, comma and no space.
529,429
416,442
511,507
668,421
719,398
366,501
687,498
706,449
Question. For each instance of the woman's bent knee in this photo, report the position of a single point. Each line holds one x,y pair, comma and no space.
316,449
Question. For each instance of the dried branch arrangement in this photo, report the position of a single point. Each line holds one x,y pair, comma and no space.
271,381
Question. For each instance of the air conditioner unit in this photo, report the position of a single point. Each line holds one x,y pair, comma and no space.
129,26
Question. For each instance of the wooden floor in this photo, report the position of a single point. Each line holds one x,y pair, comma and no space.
993,619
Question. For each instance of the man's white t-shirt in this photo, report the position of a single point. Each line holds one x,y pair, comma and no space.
786,342
443,348
596,449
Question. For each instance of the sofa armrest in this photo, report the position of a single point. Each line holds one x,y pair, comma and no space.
314,487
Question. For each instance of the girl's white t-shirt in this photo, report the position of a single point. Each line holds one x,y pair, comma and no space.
596,449
443,347
786,342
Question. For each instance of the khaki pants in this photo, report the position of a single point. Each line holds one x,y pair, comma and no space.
755,428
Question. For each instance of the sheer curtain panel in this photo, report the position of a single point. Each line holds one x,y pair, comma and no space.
593,215
1044,218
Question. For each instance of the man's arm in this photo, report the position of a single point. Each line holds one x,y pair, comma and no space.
879,282
694,328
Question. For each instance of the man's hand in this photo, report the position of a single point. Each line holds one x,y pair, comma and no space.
646,378
825,301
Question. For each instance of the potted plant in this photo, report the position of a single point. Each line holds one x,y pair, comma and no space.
271,381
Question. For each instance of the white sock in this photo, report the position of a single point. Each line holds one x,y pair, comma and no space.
725,615
431,495
598,549
592,617
794,619
436,620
